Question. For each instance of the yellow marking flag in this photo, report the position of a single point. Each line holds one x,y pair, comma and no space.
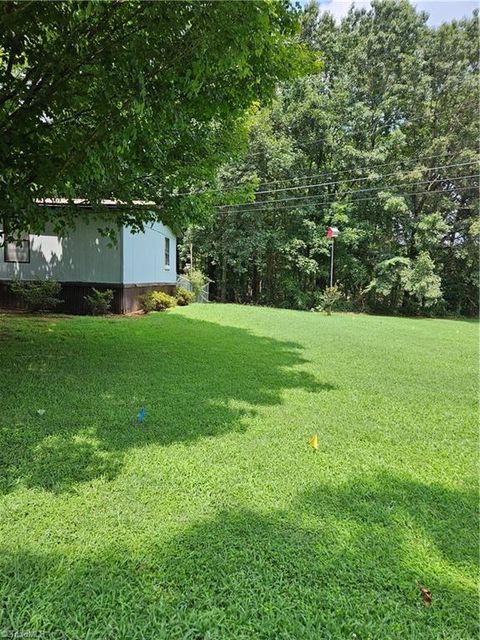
314,442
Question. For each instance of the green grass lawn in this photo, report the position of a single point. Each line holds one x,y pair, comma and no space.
214,519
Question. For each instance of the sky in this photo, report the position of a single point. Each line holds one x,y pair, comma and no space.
438,10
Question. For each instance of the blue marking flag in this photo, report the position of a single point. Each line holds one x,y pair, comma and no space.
141,416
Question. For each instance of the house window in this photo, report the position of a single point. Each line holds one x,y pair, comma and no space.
167,252
17,252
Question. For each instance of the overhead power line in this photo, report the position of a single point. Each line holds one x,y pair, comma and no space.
292,207
377,177
367,167
320,175
309,197
333,199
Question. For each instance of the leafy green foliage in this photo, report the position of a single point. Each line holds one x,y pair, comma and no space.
37,295
423,283
329,298
130,100
197,282
397,277
99,302
379,141
214,519
147,303
184,297
157,301
391,280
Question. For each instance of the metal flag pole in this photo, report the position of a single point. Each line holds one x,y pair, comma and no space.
331,262
332,233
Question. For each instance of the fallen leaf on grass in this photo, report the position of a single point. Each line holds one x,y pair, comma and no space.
427,596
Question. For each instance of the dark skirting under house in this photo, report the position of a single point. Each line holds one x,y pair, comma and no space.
125,296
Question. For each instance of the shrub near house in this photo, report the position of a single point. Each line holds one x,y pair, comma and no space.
184,297
37,295
160,301
156,301
99,302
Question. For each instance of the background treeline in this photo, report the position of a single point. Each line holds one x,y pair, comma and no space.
382,143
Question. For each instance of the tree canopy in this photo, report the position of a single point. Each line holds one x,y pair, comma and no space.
382,143
129,100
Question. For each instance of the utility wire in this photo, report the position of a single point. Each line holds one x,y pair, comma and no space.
334,199
324,184
306,197
371,168
320,175
328,202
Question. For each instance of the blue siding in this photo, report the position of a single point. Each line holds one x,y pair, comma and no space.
144,256
82,256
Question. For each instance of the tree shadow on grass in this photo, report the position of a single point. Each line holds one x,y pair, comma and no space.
342,562
194,378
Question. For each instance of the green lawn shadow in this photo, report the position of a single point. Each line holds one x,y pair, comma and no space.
341,562
196,379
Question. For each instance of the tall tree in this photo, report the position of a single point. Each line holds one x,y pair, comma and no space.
129,100
387,132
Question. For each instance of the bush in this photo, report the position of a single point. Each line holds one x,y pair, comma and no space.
99,302
156,301
328,299
197,281
37,295
163,301
146,302
184,297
